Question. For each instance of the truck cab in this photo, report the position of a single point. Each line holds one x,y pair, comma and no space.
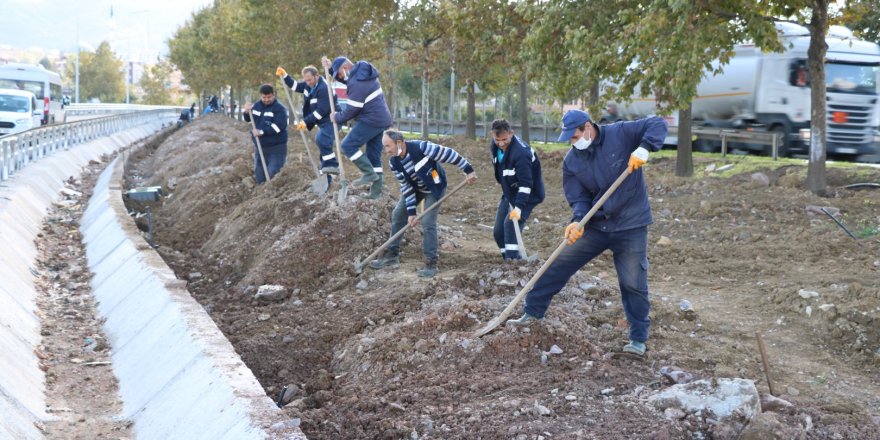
18,111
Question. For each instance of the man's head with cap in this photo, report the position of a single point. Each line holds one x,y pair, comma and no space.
571,122
338,64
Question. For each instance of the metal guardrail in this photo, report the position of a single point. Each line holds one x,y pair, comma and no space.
774,140
537,132
17,150
110,109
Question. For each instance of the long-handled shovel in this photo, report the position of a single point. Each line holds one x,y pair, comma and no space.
319,185
519,240
522,293
343,182
260,149
359,267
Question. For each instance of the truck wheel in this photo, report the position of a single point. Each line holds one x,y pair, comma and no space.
706,146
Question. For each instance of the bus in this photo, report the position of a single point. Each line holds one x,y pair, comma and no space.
34,78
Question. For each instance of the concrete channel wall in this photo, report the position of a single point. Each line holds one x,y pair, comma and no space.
179,377
24,199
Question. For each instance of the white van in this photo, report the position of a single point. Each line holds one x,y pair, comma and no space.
18,111
34,78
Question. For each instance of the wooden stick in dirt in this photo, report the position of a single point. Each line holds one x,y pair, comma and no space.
764,361
522,293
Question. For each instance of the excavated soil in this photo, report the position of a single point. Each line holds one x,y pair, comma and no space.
388,355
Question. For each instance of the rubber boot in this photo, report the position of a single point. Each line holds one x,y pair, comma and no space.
369,175
375,190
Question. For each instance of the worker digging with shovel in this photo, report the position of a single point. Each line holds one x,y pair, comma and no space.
416,165
598,155
366,105
518,171
316,112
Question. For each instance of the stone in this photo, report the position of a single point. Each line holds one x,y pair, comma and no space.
760,178
361,285
674,414
770,402
723,397
541,410
270,293
664,241
766,426
807,294
194,276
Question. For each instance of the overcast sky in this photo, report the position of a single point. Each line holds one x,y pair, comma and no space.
137,27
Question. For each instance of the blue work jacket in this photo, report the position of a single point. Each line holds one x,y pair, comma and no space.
587,174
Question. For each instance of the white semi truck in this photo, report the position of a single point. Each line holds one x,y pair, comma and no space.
768,91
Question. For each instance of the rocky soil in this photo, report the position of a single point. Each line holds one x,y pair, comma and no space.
387,355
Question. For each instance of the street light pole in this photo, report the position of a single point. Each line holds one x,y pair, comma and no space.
76,67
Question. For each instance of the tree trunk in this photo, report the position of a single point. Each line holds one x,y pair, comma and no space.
524,108
816,179
388,88
594,98
425,101
471,128
232,111
684,158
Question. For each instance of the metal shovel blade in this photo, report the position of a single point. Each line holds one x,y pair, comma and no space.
343,191
320,185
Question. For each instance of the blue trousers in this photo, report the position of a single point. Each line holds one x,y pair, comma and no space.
630,249
325,140
399,217
276,157
364,134
505,235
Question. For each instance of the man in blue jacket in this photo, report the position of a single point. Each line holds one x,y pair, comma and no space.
598,156
518,171
366,105
416,165
270,119
315,110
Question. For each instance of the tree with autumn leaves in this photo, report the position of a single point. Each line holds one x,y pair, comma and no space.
561,48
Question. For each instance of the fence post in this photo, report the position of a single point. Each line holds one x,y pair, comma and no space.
775,146
723,144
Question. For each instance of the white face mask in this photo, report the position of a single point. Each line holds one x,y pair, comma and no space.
345,75
583,143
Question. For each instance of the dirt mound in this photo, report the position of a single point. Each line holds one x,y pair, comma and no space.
388,355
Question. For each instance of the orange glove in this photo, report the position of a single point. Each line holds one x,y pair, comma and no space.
573,232
637,159
301,126
280,72
514,215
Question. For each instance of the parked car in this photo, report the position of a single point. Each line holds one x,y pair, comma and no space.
18,111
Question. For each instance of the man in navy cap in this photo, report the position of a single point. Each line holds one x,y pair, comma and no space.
366,104
597,157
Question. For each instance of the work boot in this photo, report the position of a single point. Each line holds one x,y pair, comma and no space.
523,320
635,347
369,175
387,260
429,270
330,170
375,190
